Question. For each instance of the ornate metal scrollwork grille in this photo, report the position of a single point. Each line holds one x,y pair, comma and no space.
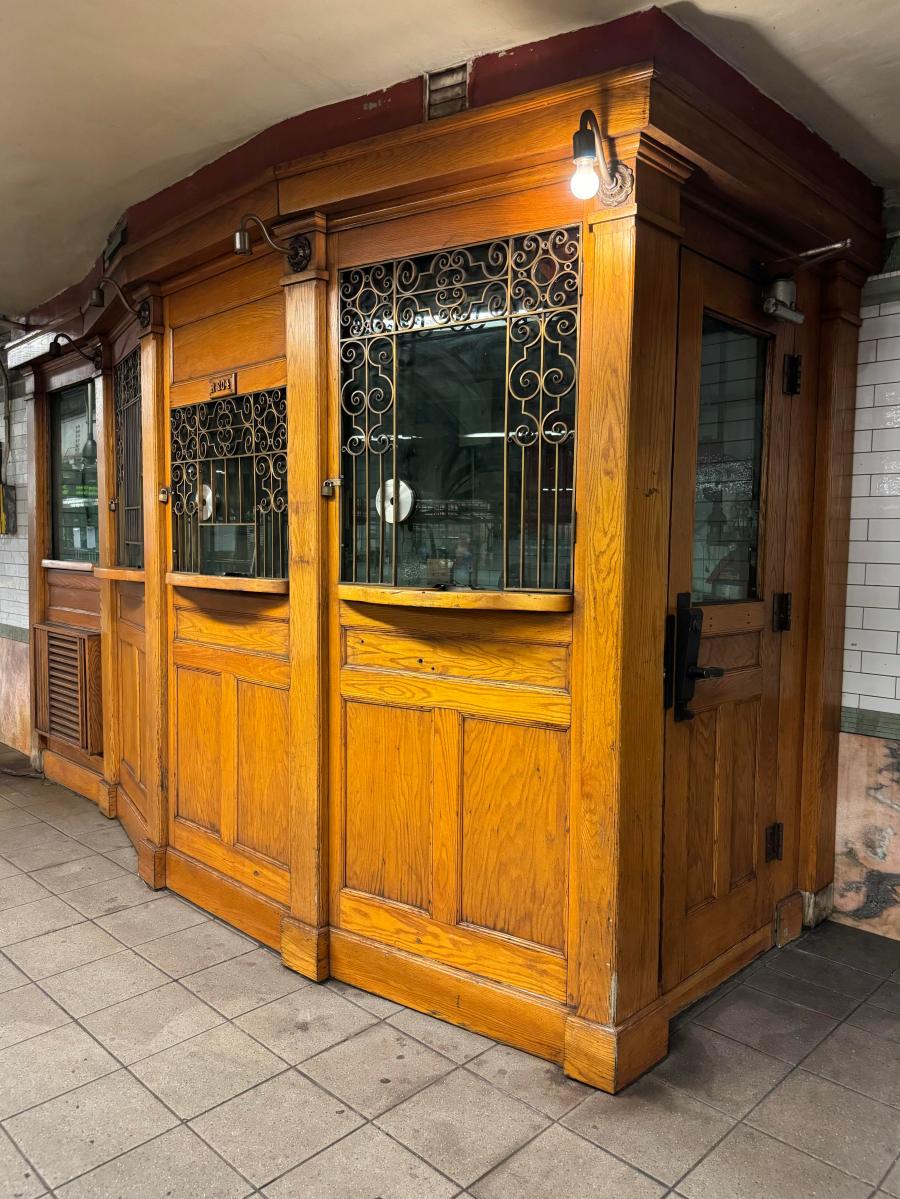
229,486
129,481
521,292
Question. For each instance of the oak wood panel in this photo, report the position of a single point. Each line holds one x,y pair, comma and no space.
263,732
242,281
828,557
731,653
234,602
73,598
474,698
131,707
131,604
249,869
225,897
425,597
258,376
388,800
197,725
232,630
235,338
513,831
475,658
505,1013
470,144
544,629
488,955
245,665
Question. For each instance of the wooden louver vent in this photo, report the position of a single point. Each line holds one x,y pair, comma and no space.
68,701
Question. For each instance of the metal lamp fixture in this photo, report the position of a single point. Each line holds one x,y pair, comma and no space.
297,250
593,174
98,300
56,347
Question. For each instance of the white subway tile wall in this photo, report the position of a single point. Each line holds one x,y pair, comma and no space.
872,634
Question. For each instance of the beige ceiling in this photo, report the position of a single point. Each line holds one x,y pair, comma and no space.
104,102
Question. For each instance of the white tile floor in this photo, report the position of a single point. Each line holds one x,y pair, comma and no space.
148,1051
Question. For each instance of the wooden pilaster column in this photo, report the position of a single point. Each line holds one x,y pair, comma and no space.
626,412
152,852
104,435
304,939
839,338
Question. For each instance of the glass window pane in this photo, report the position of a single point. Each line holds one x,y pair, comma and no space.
458,396
450,456
729,463
73,463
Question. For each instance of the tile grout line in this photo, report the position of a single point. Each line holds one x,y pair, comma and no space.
454,1065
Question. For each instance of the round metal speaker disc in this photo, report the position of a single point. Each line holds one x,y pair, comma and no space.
394,508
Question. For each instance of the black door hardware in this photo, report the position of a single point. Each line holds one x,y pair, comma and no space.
782,611
683,632
775,842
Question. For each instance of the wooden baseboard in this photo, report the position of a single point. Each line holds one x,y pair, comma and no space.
703,981
106,798
253,914
305,949
71,774
817,905
528,1022
789,919
151,857
611,1058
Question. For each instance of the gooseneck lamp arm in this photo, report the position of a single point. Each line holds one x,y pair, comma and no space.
297,250
593,174
56,347
97,299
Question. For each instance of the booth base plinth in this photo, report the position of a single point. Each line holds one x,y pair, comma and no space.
305,948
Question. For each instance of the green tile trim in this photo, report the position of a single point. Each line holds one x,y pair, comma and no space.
13,633
871,724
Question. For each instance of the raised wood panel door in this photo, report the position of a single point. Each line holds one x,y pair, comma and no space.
450,801
230,735
131,670
729,498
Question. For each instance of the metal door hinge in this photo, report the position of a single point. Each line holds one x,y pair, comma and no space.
329,486
782,611
793,373
775,842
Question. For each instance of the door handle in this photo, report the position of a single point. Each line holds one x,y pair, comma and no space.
705,672
687,629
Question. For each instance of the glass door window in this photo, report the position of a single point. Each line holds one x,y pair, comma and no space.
729,463
73,476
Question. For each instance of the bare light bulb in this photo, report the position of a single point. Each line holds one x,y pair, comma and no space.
585,180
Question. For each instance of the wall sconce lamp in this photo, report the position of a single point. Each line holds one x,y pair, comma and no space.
57,346
614,182
297,250
98,300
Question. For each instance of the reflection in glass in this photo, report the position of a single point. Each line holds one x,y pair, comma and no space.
458,389
73,465
729,463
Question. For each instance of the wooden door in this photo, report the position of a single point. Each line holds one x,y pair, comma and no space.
729,498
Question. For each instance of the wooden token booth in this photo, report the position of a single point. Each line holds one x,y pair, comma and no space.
449,590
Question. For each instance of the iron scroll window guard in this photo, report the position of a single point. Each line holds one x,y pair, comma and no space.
128,503
229,486
458,381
